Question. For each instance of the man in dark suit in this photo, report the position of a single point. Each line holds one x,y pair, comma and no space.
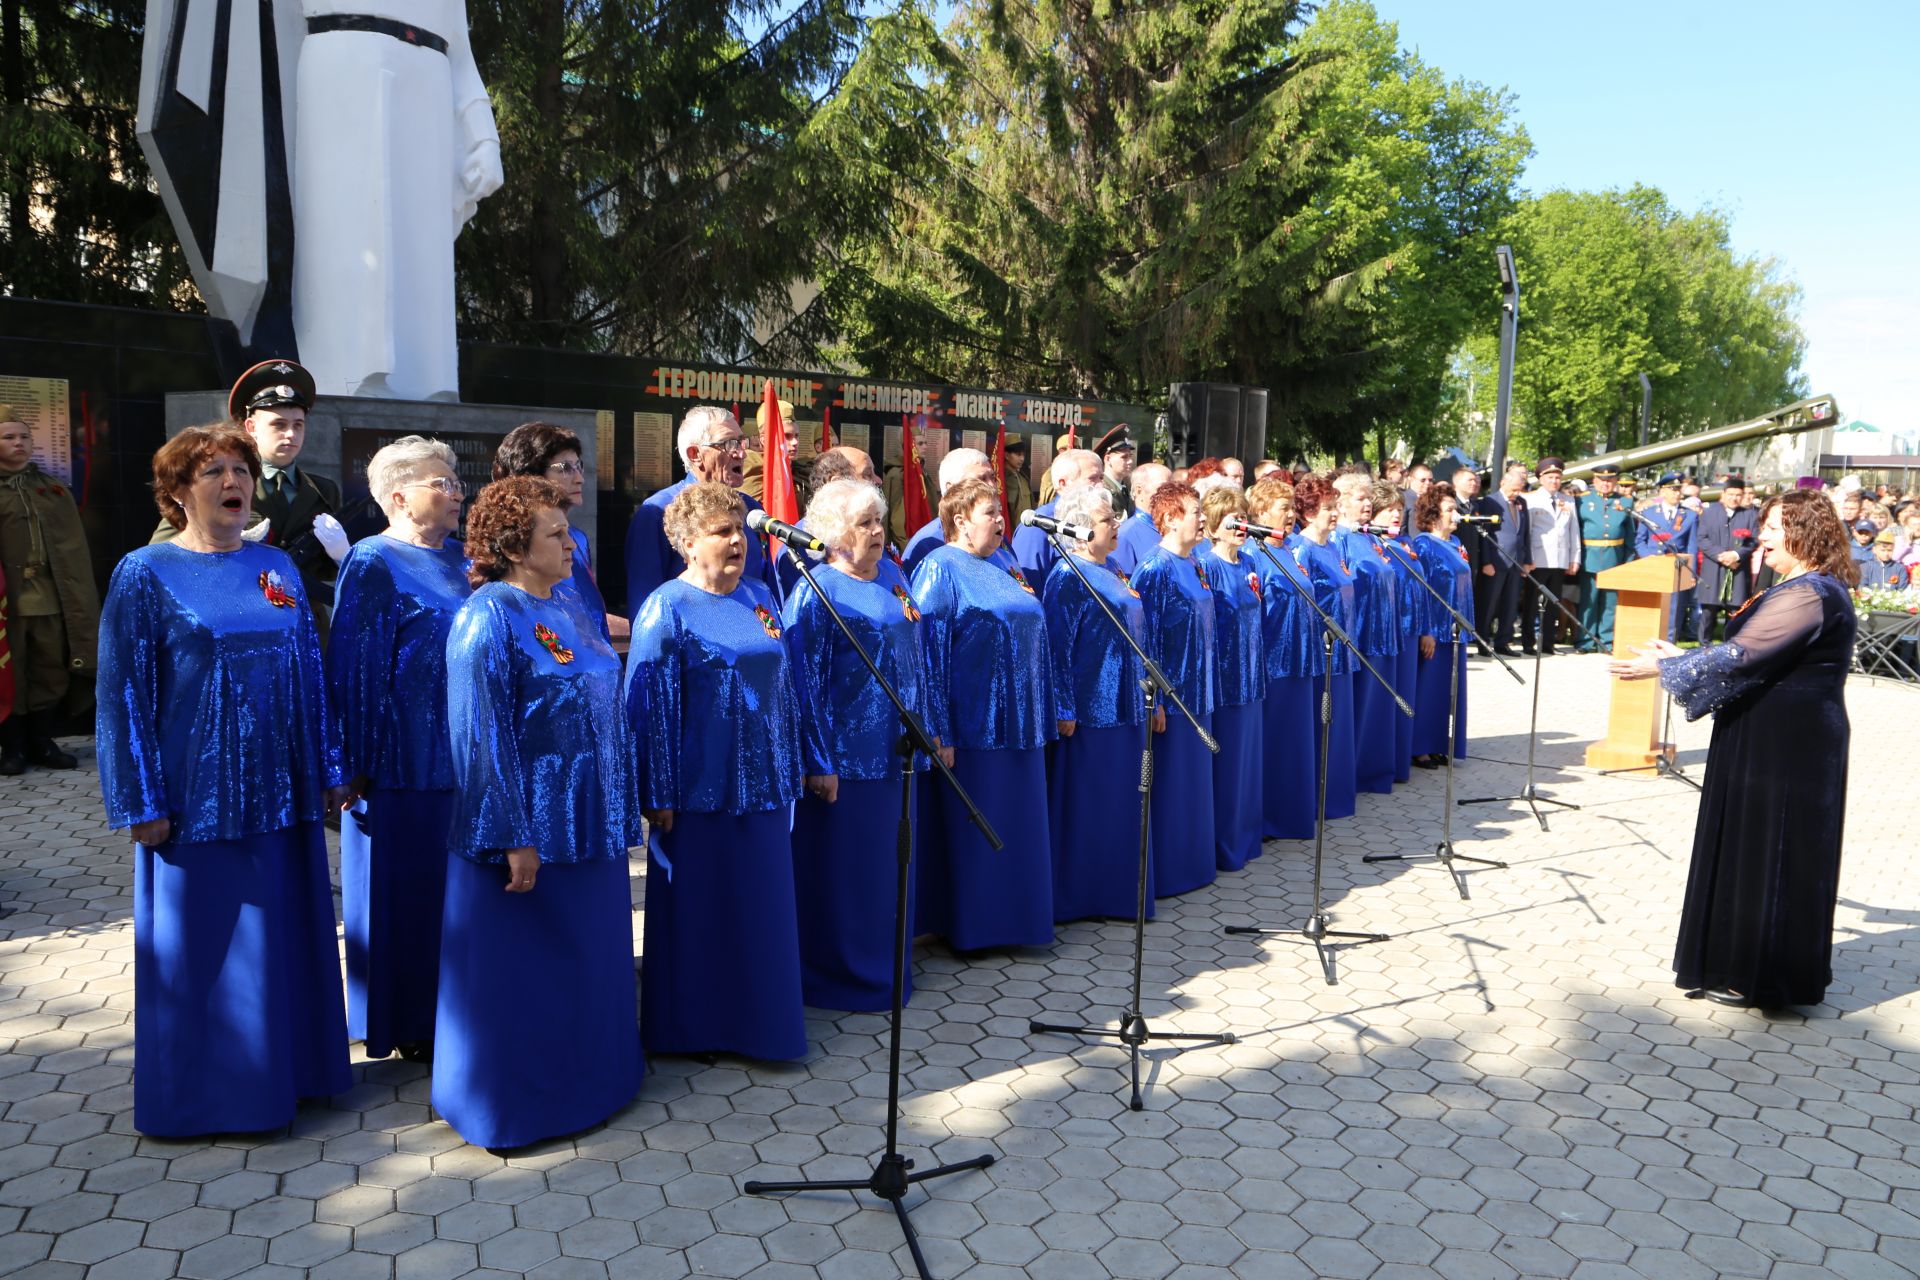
1496,587
297,507
1729,531
1473,536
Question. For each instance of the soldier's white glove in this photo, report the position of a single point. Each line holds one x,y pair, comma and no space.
256,533
332,535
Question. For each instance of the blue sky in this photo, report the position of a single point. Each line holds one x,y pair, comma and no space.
1801,121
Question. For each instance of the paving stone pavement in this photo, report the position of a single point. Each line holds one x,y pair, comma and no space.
1510,1086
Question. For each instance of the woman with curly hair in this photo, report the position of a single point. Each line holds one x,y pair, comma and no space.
1332,576
534,1035
1443,560
219,754
1410,610
1376,631
711,695
1240,667
1756,928
1290,637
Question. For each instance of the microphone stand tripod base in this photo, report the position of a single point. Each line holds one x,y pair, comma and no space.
1315,931
1532,796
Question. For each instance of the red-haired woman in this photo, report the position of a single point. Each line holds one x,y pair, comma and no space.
1316,505
1180,638
1757,925
1444,560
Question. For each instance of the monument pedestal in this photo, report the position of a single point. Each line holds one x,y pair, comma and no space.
1646,592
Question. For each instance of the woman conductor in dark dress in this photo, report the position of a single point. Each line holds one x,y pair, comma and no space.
217,750
1756,928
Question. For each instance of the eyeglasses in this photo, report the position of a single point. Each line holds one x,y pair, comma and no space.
574,468
446,485
733,444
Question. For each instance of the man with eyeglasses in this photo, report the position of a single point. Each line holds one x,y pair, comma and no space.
714,450
293,508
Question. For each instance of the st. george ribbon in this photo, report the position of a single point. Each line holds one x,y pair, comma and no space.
1044,524
792,535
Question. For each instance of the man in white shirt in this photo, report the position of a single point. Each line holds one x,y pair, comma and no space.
1553,525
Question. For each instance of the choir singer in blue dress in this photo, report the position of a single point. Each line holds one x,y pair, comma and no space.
991,697
1444,561
711,695
1376,606
846,826
1332,579
1290,636
535,1032
1410,610
218,754
387,674
1103,719
1180,639
1240,676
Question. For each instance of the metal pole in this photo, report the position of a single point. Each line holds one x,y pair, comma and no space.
1509,325
1646,407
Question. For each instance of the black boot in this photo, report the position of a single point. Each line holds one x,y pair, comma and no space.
13,759
41,748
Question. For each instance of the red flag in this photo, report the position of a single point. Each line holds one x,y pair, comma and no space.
913,487
826,428
778,497
1000,472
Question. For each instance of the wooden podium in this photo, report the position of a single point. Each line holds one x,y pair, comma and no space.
1647,588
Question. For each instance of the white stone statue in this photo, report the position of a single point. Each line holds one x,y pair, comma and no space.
318,169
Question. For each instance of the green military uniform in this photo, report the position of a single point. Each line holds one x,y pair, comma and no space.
53,611
1606,540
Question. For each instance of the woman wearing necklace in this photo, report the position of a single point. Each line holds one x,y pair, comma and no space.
1443,559
387,674
217,751
1332,579
1096,840
1181,640
1756,928
1240,669
991,696
533,1033
710,693
846,826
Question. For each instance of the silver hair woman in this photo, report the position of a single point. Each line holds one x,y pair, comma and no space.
1084,507
837,515
409,462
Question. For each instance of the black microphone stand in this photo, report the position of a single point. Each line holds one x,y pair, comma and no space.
1317,928
1443,852
1664,765
1133,1031
1530,793
891,1176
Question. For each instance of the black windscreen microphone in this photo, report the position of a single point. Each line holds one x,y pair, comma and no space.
761,522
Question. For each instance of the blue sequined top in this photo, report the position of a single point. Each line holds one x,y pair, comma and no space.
1376,598
1241,664
1138,538
1332,579
1096,677
852,728
387,662
989,664
1448,571
212,709
930,537
542,756
651,559
713,702
1180,625
1289,631
586,591
1411,600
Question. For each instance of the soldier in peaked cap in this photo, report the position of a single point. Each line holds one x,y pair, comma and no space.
1117,452
1606,540
1670,529
270,402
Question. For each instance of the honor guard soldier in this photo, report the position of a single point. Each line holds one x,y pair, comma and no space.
51,605
1669,529
1606,535
270,402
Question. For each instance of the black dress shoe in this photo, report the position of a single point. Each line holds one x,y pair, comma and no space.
1730,998
13,762
1425,762
43,752
1506,651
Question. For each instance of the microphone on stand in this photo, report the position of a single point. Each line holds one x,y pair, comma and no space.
1465,519
793,536
1257,530
1046,524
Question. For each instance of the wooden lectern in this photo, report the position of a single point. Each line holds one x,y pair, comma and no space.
1647,588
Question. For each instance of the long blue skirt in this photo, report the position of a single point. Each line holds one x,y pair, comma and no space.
236,979
393,882
1093,813
1340,789
845,878
721,972
1430,707
1236,786
535,1035
967,893
1375,736
1406,682
1287,746
1183,826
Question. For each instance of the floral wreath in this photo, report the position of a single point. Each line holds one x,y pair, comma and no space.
551,643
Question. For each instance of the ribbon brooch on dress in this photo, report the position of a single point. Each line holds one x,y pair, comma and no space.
906,604
275,590
551,643
1021,578
768,623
